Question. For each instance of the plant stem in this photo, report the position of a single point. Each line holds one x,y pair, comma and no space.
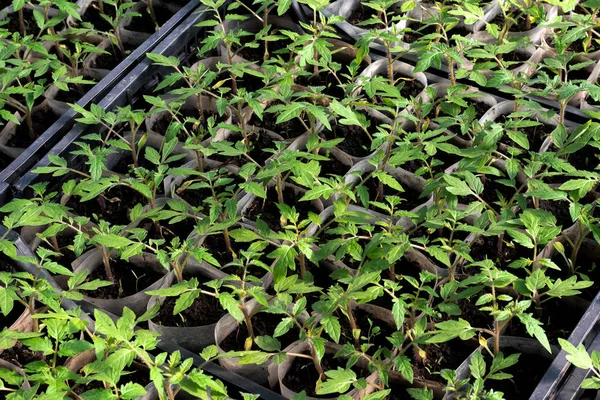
313,353
152,14
106,262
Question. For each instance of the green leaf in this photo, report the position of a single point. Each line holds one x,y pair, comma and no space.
268,343
332,326
283,6
338,381
477,366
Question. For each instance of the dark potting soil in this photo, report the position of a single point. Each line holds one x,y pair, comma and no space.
94,16
164,230
259,141
522,25
114,205
333,167
288,129
196,197
302,374
126,280
378,192
276,48
136,373
360,14
516,57
362,322
19,355
67,256
577,46
205,310
411,88
107,61
267,210
488,247
331,84
145,24
585,159
559,317
74,93
356,142
162,123
535,134
5,3
263,324
558,208
41,119
31,27
447,355
218,249
526,375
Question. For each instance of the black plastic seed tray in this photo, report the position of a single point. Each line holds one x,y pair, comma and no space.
175,41
63,127
563,381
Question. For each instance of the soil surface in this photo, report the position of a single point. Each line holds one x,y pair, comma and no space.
74,93
263,324
267,210
125,276
19,355
447,355
302,375
114,205
94,16
205,310
289,129
360,14
356,142
217,247
41,119
526,375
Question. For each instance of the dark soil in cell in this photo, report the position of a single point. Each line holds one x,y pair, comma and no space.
356,142
31,27
526,375
217,247
94,16
592,45
361,14
263,324
535,134
333,167
107,61
259,141
135,373
145,24
19,355
67,256
164,230
558,317
74,93
289,129
41,119
516,57
267,210
303,375
333,87
438,357
126,280
125,165
585,159
378,192
114,205
362,322
195,126
5,3
471,313
521,25
197,197
276,48
411,87
558,208
489,247
205,310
